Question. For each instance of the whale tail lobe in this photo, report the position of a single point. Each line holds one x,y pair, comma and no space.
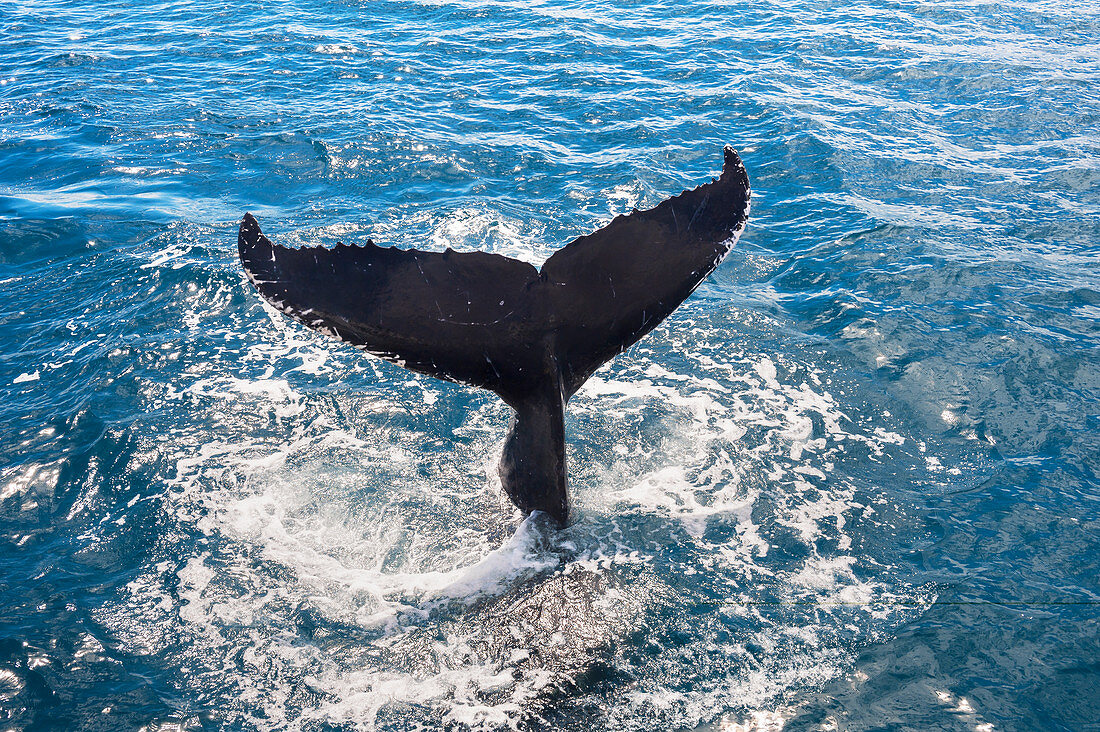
531,336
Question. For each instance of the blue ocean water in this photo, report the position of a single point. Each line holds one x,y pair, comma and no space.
851,484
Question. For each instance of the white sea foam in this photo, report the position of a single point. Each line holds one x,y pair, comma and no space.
355,561
336,49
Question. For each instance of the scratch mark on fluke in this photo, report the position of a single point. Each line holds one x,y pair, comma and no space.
561,322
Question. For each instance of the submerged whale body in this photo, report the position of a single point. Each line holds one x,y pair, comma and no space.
532,336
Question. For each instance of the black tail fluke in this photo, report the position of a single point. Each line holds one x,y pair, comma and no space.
609,288
464,317
497,323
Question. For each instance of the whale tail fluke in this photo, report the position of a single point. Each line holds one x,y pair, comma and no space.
611,287
464,317
533,337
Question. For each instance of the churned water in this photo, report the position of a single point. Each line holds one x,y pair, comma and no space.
851,484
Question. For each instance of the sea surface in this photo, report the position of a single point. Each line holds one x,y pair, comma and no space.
853,483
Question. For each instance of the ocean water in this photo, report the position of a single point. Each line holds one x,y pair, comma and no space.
851,484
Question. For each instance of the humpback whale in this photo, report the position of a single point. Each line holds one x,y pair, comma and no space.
532,336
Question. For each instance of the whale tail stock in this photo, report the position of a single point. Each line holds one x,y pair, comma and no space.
531,336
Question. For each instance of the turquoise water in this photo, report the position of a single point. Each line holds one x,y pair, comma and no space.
851,484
